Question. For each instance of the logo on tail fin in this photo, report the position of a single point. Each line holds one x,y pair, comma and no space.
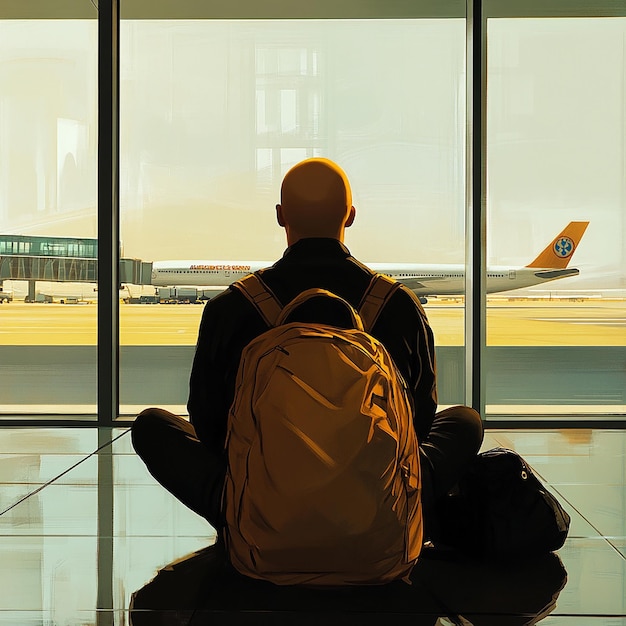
564,247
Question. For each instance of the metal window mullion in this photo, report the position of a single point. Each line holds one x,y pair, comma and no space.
475,206
108,211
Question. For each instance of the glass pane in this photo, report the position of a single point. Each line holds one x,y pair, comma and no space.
213,113
556,154
48,273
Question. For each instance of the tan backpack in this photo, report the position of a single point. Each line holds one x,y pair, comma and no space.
323,483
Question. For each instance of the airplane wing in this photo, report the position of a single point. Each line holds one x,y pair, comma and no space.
552,274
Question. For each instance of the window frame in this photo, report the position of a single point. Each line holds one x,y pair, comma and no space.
476,13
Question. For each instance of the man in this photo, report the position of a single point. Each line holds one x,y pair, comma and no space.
316,207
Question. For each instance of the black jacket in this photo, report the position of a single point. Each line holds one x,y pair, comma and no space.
229,323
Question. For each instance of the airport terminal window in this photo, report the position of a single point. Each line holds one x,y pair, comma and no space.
214,112
48,125
555,154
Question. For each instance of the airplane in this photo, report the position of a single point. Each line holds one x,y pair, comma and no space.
425,280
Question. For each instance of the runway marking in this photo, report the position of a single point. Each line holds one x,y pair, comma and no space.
605,321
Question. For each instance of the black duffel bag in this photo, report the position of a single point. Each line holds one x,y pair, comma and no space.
502,510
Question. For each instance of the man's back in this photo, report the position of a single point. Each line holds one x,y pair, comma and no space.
230,323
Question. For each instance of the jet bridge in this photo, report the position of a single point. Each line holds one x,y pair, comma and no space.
60,259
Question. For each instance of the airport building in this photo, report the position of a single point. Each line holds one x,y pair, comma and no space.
472,132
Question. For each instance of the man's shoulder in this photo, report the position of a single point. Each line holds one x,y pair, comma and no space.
409,297
230,320
226,304
404,307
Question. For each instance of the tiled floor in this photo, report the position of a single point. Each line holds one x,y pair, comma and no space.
74,545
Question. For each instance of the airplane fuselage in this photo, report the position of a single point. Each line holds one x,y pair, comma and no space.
423,279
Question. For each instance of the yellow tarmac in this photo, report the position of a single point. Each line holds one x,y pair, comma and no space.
509,323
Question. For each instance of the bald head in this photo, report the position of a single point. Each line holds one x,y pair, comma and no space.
315,201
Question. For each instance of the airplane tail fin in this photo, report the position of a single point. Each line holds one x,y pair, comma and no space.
558,254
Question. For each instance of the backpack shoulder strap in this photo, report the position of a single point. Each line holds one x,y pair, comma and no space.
378,293
260,296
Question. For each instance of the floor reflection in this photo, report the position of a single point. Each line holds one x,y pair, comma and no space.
203,589
81,533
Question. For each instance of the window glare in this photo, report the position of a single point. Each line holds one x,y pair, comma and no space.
214,112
